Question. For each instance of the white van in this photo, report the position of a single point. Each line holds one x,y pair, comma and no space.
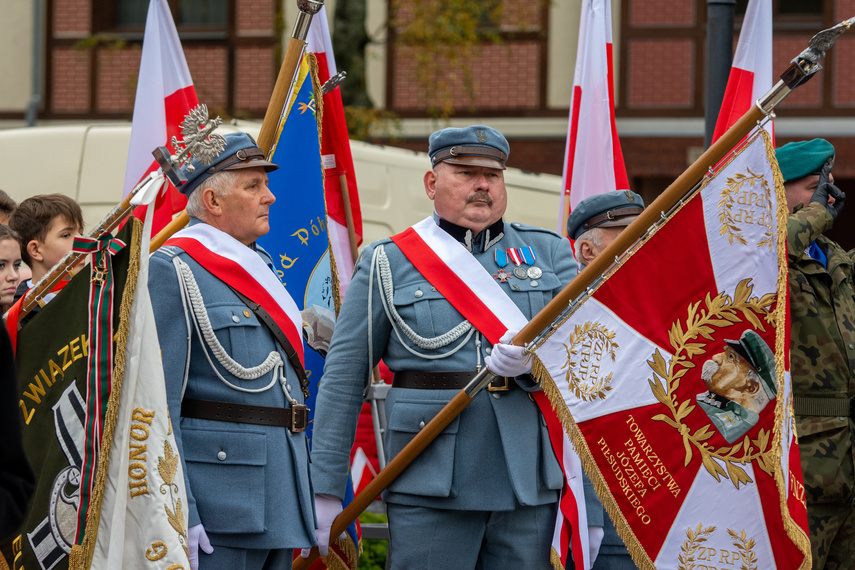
87,162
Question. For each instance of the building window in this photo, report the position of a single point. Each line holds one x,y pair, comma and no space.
191,15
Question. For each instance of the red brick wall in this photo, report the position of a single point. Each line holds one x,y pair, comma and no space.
523,15
70,72
661,73
255,17
503,76
843,71
209,70
843,9
662,13
118,71
72,17
254,69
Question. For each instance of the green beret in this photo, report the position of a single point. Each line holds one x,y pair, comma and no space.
803,158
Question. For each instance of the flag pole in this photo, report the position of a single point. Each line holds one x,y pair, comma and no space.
276,107
348,216
801,69
565,213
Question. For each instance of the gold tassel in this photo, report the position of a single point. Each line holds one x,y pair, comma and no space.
351,552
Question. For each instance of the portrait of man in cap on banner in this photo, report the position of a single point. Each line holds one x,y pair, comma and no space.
741,381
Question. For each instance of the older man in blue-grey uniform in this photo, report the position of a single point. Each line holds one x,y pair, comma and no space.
484,493
594,224
225,326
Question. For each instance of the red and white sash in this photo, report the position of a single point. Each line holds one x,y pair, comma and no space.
460,278
243,269
471,290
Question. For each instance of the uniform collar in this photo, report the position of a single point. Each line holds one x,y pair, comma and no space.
487,238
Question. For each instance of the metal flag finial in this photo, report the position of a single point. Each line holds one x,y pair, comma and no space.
807,63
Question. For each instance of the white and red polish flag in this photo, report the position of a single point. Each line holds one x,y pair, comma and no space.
361,469
678,395
335,154
593,160
165,94
751,75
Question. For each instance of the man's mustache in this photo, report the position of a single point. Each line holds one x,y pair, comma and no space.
480,197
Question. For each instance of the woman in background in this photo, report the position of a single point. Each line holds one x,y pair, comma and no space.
10,264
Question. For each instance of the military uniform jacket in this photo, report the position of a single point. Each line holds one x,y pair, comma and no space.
247,484
496,454
822,353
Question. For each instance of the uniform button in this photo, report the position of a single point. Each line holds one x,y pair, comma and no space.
488,350
246,313
418,293
421,424
496,395
221,456
235,318
534,283
851,345
434,289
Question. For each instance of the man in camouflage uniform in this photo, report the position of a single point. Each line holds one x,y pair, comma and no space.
822,305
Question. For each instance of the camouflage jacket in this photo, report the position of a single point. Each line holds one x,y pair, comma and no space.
822,353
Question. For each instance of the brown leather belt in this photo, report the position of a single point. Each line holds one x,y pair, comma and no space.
294,418
424,380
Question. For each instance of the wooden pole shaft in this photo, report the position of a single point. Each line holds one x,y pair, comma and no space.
290,63
348,217
177,223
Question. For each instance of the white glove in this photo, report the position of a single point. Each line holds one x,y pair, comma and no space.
327,509
595,538
507,359
197,538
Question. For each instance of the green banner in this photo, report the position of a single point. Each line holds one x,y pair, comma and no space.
51,357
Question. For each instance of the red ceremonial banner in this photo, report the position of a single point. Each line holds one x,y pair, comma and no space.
672,380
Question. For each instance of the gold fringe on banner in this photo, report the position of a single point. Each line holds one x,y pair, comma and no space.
319,116
351,551
794,531
81,555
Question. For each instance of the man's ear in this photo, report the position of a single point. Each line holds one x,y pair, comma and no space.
430,184
34,249
212,203
587,252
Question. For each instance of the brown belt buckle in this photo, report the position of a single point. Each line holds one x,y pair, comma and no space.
494,386
299,418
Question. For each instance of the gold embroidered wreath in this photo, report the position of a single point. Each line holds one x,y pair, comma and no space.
720,312
595,390
699,535
728,195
